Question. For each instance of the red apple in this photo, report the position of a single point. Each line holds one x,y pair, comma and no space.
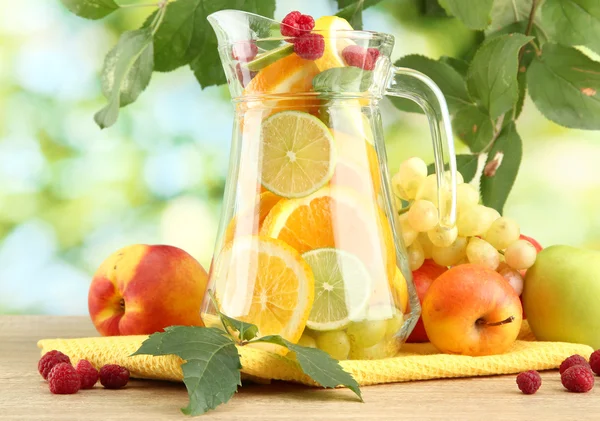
142,289
472,310
423,278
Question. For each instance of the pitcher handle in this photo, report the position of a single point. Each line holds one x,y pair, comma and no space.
435,108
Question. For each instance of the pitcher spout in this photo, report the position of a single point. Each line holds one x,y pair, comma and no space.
233,26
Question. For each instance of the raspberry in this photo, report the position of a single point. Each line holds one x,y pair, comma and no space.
244,75
571,361
529,382
595,362
63,379
87,374
114,376
578,378
309,46
295,24
49,360
361,57
244,51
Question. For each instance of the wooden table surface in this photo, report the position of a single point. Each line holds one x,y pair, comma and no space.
24,395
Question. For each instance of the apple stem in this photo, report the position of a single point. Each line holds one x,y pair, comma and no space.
122,304
501,322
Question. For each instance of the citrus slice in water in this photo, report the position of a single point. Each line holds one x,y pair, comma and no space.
298,154
266,282
342,288
249,220
334,42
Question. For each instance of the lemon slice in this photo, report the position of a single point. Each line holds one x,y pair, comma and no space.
297,154
342,288
266,282
334,43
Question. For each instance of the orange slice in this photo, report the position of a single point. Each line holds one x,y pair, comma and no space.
340,218
266,282
250,220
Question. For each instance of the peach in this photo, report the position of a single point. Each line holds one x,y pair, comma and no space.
472,310
141,289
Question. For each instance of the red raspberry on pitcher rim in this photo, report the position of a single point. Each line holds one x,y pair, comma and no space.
529,382
361,57
49,360
578,379
571,361
113,376
295,24
309,46
87,374
63,379
595,362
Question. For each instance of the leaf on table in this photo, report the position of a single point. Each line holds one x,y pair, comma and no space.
474,14
564,84
317,364
449,80
247,331
351,10
474,127
126,73
466,164
492,76
343,79
211,371
91,9
501,168
572,22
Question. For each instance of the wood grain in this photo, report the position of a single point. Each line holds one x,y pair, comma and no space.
24,394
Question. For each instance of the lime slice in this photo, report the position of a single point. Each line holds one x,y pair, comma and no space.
297,154
263,60
342,288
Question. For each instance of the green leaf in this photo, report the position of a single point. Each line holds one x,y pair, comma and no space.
507,12
351,10
432,8
466,164
492,76
572,22
461,66
564,84
317,364
211,371
474,14
91,9
247,331
343,79
501,168
126,73
474,127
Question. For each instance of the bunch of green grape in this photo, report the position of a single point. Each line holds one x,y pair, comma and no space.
480,236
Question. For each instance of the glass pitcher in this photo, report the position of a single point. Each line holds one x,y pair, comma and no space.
309,245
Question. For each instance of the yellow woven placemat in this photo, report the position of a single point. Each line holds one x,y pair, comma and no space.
414,362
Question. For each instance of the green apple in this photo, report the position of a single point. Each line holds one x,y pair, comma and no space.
561,296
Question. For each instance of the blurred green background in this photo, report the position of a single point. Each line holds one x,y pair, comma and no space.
71,194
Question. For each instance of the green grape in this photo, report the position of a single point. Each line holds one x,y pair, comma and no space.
451,255
502,233
520,255
426,245
442,237
394,324
335,343
466,196
408,232
483,253
475,220
512,276
416,256
378,351
422,215
411,174
366,333
397,187
307,340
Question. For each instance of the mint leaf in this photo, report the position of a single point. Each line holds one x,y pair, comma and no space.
317,364
474,14
492,76
343,79
501,168
474,127
247,331
212,365
126,73
564,84
449,80
91,9
572,22
351,10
